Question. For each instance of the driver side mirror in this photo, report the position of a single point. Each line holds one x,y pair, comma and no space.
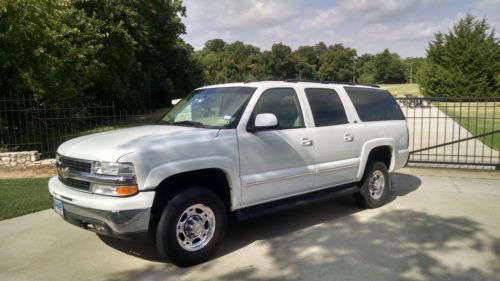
264,121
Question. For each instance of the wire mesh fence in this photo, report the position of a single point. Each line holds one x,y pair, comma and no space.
28,125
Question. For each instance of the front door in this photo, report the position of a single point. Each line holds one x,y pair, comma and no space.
276,163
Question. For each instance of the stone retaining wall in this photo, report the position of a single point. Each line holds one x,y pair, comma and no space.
23,158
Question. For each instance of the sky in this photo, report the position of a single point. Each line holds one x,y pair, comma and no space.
369,26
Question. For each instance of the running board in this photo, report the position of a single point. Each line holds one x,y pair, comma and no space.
295,201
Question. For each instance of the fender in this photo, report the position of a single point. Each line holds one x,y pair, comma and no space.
367,148
158,174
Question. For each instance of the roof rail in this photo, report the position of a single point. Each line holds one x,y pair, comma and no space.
331,82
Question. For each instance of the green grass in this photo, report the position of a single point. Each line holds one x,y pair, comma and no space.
476,117
23,196
399,90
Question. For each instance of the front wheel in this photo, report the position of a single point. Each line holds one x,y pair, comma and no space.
375,186
191,226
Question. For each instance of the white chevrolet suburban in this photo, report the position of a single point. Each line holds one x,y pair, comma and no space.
244,149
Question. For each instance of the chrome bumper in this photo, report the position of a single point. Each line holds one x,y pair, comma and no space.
114,216
123,224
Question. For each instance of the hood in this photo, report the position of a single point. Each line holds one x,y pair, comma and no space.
110,146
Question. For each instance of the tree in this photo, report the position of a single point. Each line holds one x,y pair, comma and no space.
307,62
144,59
92,50
411,66
337,63
223,62
388,68
365,69
463,62
47,50
215,45
279,62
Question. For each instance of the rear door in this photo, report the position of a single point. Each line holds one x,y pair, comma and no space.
276,163
336,144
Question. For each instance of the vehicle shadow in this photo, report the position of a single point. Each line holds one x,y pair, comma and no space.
138,248
326,242
241,234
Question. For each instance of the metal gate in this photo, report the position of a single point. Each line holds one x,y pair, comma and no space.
461,131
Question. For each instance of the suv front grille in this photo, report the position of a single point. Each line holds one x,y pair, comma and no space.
68,167
75,165
77,184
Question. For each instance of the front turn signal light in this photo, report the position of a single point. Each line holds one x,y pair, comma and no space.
126,190
114,190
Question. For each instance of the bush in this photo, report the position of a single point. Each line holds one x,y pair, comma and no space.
463,62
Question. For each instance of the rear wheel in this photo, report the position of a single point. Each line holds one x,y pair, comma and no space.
375,186
191,226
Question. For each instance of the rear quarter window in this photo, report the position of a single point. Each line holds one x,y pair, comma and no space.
374,104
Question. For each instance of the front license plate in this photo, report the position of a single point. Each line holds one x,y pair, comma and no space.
58,207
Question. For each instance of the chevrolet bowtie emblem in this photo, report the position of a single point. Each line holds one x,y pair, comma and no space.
64,172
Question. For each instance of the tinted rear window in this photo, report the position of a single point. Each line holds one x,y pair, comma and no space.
326,107
374,104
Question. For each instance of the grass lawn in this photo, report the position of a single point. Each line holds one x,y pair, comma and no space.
23,196
399,90
477,117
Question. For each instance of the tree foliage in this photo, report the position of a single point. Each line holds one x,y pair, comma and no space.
73,50
224,62
463,62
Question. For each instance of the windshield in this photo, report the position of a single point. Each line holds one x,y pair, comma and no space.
210,108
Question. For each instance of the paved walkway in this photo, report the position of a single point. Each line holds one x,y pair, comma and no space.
440,225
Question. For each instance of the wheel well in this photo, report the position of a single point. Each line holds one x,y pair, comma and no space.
381,153
214,179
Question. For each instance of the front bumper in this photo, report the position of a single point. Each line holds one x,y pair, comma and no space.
113,216
125,224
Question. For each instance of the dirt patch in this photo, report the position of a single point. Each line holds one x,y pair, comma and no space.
41,171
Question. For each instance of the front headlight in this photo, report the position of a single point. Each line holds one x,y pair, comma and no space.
124,185
113,169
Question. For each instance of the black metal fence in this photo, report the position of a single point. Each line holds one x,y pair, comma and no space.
28,125
461,131
452,131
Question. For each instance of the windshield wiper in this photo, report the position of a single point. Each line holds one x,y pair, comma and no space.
187,123
163,122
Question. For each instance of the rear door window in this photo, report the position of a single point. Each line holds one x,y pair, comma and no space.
326,107
374,104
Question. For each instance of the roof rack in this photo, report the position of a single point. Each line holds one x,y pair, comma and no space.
331,82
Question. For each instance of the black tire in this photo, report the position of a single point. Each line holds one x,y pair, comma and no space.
168,236
371,197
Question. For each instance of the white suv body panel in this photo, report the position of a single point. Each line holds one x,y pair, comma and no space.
260,167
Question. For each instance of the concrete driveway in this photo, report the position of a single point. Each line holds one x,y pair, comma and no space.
440,225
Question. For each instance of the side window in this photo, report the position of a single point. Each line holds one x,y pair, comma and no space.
283,103
374,104
326,106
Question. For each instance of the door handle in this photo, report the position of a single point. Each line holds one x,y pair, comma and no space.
348,138
306,142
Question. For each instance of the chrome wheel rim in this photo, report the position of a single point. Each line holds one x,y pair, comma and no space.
195,227
376,184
